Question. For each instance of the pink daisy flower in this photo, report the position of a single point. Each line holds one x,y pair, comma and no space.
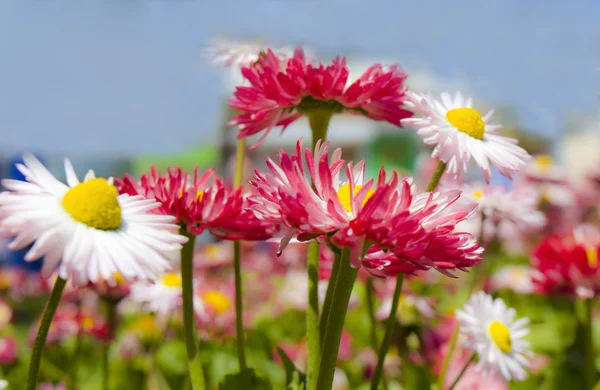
417,229
199,203
282,90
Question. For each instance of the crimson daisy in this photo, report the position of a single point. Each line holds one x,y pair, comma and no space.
200,202
282,90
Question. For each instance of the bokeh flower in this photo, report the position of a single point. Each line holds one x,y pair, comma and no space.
495,335
569,263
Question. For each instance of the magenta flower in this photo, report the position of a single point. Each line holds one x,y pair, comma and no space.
200,203
282,90
412,232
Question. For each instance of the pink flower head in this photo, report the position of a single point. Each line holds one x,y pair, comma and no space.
199,203
423,235
569,263
282,90
418,229
329,208
8,350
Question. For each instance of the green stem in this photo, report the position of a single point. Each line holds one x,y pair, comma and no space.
189,328
237,264
312,316
339,306
588,351
437,175
40,339
446,362
328,297
239,321
370,297
389,331
319,123
462,372
111,322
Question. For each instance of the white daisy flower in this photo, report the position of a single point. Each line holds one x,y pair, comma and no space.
460,132
85,229
491,331
162,297
509,213
232,53
3,384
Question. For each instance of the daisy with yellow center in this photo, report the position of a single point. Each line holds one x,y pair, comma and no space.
162,297
492,332
459,133
85,229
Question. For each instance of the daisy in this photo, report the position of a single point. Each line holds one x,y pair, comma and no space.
163,296
282,90
568,263
349,213
233,53
506,214
86,229
460,132
200,202
517,278
492,332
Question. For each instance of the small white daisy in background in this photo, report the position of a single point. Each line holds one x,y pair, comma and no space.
508,214
491,331
85,229
517,278
162,297
543,168
232,53
3,384
459,133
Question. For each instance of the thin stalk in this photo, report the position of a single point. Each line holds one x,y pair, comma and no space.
189,326
370,297
389,331
337,314
437,175
40,339
588,345
319,123
446,362
237,264
328,297
462,372
313,339
239,321
111,322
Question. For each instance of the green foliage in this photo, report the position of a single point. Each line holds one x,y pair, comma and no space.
294,378
247,379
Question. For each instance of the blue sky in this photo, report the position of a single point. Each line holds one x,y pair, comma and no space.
127,76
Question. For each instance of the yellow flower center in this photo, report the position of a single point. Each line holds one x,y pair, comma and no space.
94,203
118,278
217,301
172,280
544,162
467,120
592,257
344,196
87,323
199,194
477,194
501,336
